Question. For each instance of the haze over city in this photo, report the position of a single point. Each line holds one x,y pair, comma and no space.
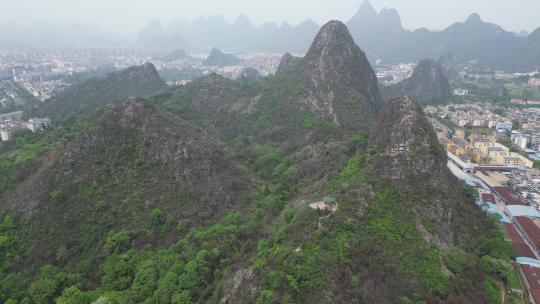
128,16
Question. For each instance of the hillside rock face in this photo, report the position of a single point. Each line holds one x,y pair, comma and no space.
335,69
402,134
410,157
287,64
96,92
428,82
135,154
219,59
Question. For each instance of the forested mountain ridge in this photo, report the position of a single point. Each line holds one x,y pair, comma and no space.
240,191
93,93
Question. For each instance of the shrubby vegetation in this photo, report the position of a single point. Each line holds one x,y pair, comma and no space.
17,156
112,243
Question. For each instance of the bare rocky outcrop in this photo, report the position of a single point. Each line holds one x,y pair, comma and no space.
339,77
428,82
240,287
287,64
407,141
408,155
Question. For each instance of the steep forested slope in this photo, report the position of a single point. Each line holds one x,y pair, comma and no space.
96,92
298,188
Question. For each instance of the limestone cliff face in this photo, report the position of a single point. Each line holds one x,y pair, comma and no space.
407,154
428,82
287,64
339,77
407,141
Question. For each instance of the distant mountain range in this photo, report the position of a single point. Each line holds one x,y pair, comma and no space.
154,36
380,34
240,36
383,37
55,35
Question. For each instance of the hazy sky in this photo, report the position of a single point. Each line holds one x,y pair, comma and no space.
128,16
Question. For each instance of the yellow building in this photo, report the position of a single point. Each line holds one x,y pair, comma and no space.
491,138
501,155
460,134
517,160
491,148
458,149
479,157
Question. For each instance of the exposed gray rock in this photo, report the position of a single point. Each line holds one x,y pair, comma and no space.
407,154
428,82
287,64
241,284
407,141
336,70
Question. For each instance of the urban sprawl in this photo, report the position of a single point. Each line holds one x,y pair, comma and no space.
33,77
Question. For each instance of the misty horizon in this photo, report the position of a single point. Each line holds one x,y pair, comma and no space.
113,20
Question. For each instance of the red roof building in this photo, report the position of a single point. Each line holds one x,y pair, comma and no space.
530,232
488,198
518,244
532,276
509,196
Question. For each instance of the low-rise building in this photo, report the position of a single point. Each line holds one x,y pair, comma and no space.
38,124
461,92
521,140
515,160
5,135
